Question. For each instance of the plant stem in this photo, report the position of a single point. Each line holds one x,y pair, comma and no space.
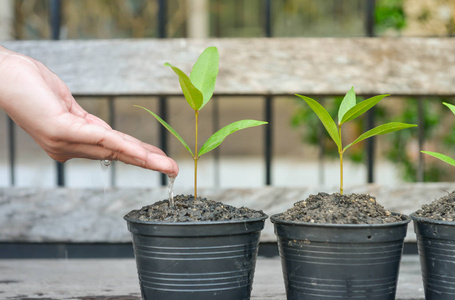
341,172
340,151
196,156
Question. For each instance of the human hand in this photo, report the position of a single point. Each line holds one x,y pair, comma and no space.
41,104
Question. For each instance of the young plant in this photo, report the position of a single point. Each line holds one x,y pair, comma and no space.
198,90
349,110
440,156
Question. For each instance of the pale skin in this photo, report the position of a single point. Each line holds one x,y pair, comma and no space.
40,103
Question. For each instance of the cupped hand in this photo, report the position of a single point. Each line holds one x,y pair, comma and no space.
41,103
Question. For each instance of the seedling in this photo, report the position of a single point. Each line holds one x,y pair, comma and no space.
198,90
349,110
440,156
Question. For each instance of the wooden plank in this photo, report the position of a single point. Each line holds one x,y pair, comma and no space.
256,66
117,279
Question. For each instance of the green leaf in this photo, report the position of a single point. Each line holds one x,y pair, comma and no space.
325,118
349,101
451,106
361,108
218,137
192,95
381,129
204,73
168,127
442,157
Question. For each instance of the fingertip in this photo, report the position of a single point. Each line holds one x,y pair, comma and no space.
160,163
172,169
175,169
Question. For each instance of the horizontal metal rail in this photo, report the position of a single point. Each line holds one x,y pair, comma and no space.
267,146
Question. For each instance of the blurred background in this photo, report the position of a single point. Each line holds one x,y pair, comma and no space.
291,143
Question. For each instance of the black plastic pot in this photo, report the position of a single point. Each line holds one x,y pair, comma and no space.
436,245
196,260
340,261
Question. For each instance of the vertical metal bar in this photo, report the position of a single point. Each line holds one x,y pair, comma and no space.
421,132
55,19
218,20
216,151
370,145
12,151
162,108
369,18
162,18
268,140
371,142
268,18
112,123
162,103
216,107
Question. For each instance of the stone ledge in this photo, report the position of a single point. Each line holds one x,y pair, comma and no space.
276,66
91,215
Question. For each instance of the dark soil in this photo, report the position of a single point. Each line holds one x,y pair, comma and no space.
189,209
339,209
442,209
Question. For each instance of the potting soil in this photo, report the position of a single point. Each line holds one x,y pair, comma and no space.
339,209
189,209
442,209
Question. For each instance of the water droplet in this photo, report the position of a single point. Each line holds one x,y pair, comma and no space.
170,189
105,163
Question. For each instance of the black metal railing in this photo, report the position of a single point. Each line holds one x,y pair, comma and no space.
55,19
269,103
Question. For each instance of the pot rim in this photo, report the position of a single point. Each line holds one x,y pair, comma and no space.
405,220
414,217
201,223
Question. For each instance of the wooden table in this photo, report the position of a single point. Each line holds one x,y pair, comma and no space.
106,279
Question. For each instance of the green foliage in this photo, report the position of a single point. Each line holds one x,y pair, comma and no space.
449,138
304,119
198,90
348,102
440,156
450,106
361,108
192,95
204,73
218,137
379,130
398,142
169,128
325,118
389,14
405,111
348,111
